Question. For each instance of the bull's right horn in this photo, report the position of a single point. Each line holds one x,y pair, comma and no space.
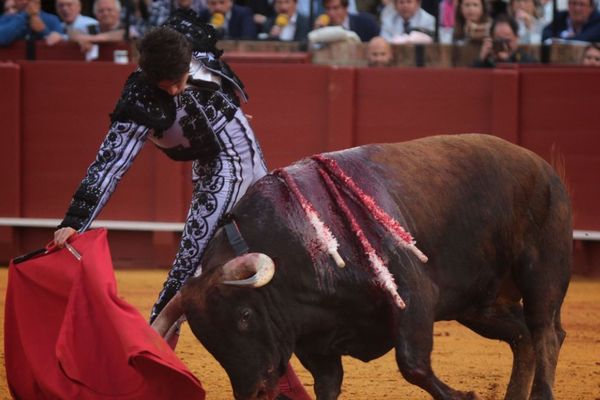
260,265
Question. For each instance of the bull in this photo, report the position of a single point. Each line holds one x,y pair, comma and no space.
493,219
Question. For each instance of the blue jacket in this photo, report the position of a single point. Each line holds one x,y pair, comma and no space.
16,26
364,25
590,32
241,24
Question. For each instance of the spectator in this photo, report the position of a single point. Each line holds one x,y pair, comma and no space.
471,21
231,21
9,7
304,7
407,16
503,46
261,11
591,55
69,12
447,13
336,13
160,10
111,28
289,24
525,12
581,21
379,53
136,15
29,22
108,13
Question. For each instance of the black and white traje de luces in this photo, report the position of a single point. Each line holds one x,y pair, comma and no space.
205,125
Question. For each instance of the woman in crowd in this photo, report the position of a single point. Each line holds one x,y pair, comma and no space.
471,22
525,12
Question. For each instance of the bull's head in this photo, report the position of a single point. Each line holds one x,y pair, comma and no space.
243,312
238,321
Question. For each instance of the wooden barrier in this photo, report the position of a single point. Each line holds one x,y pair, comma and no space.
56,113
63,51
437,55
434,55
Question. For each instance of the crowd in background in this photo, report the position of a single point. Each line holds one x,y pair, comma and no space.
498,26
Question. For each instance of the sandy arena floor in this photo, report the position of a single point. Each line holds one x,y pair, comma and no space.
461,358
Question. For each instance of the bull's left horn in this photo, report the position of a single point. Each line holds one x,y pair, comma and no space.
260,265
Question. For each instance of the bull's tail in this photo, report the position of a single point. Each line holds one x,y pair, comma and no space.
558,163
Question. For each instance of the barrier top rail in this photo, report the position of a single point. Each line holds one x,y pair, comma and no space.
582,235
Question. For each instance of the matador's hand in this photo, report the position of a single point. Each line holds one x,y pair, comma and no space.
62,235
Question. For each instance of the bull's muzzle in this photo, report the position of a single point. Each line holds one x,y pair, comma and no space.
259,265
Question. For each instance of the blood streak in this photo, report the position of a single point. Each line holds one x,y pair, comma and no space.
402,237
383,277
326,241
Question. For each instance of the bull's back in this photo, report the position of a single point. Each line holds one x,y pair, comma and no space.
480,208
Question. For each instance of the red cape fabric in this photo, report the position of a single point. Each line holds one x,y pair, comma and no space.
69,336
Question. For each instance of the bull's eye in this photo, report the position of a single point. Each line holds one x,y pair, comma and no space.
244,319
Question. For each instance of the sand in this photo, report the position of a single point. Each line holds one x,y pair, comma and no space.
461,358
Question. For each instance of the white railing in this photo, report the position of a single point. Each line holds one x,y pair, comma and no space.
175,226
108,224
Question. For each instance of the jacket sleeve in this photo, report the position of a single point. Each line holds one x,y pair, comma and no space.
117,152
52,25
12,27
592,33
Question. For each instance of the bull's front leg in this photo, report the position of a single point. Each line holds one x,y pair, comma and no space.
327,372
414,343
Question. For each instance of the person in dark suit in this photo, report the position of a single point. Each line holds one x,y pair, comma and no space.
288,24
581,21
336,13
231,21
261,10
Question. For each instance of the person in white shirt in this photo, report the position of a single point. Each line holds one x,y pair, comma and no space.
69,12
407,15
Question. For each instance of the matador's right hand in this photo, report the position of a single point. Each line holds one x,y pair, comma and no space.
62,235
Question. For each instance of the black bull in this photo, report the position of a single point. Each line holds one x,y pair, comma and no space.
493,218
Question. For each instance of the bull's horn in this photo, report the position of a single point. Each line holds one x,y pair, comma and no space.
260,265
168,316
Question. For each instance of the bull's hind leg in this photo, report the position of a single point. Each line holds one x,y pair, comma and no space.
414,343
542,302
506,322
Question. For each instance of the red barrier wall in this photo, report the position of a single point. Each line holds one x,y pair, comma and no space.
559,109
10,162
61,51
297,110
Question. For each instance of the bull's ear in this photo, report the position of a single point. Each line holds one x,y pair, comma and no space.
253,269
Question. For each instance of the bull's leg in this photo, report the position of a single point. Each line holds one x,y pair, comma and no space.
543,281
327,372
507,323
543,319
414,343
